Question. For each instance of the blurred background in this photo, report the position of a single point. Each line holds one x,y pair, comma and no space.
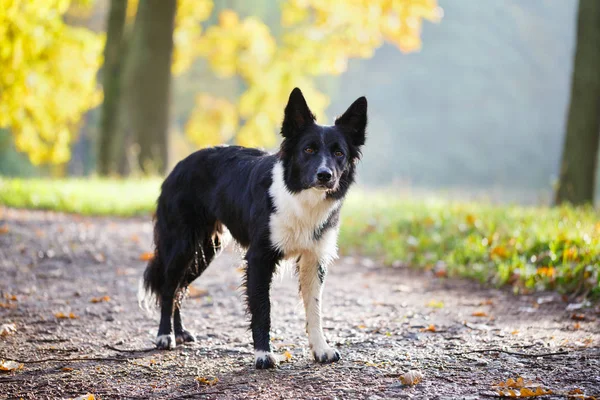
465,97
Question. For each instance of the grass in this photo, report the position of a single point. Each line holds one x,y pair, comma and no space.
529,248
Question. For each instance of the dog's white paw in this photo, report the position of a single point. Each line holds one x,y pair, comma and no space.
165,342
265,360
326,355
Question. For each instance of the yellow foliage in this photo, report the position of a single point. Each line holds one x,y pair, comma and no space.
320,37
48,76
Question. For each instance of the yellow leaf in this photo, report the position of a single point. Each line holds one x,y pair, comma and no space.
430,328
146,256
499,251
435,304
205,381
287,356
100,299
479,314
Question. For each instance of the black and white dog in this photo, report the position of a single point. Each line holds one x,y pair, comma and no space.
276,206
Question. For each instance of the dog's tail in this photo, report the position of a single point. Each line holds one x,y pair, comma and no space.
151,284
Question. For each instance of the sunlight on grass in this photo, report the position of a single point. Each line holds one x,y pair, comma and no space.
82,196
527,247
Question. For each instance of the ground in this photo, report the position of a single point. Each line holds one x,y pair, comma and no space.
385,322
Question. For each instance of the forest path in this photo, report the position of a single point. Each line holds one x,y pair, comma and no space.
385,321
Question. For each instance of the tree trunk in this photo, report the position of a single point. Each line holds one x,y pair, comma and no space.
148,76
111,80
580,152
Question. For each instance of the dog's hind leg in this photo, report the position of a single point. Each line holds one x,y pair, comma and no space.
203,255
179,258
312,276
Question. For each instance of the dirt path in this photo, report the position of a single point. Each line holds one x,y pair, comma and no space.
378,317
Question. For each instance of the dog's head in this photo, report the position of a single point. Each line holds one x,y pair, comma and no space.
320,157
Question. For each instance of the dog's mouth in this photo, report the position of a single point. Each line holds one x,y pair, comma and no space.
325,187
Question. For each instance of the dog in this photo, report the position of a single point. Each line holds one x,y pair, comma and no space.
275,206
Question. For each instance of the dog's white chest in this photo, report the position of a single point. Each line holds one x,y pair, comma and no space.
297,217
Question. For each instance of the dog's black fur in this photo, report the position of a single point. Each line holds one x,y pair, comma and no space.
233,187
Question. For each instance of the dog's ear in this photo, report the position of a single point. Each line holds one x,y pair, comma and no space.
354,121
297,114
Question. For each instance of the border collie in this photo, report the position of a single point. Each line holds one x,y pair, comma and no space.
276,206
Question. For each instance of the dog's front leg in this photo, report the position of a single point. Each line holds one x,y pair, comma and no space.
259,274
312,276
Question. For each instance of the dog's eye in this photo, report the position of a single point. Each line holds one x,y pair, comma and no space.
338,153
309,150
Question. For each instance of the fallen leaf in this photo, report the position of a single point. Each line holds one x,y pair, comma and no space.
4,229
7,366
287,356
430,328
362,327
479,314
208,382
578,317
100,299
87,396
10,297
61,315
487,302
7,329
66,369
435,304
515,332
7,305
147,256
576,326
411,377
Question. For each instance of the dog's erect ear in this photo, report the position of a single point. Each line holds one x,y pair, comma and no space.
297,114
354,121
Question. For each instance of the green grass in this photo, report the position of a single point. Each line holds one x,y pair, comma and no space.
529,248
82,196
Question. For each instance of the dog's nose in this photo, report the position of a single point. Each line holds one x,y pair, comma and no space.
324,175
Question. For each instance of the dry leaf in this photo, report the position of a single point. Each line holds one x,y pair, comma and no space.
435,304
578,317
499,251
287,356
61,315
147,256
487,302
100,299
87,396
576,326
479,314
66,369
7,329
7,305
4,229
10,297
7,366
430,328
208,382
515,332
411,377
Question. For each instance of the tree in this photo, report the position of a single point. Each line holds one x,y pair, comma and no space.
147,81
111,82
580,152
48,77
